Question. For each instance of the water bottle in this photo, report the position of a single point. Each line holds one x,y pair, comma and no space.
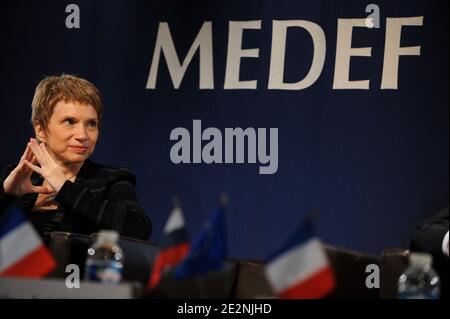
419,280
105,259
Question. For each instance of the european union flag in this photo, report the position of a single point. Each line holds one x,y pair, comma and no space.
207,250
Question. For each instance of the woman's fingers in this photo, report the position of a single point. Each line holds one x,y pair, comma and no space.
21,168
30,153
27,152
36,151
35,168
33,161
42,190
26,169
41,153
45,153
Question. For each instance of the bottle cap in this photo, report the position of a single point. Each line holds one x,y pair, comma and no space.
108,236
420,259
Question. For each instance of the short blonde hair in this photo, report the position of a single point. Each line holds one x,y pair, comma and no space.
66,88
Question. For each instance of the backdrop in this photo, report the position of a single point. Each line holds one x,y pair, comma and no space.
362,123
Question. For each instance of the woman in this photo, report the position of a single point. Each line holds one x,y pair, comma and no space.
55,183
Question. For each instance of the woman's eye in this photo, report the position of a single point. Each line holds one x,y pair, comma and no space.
92,124
69,121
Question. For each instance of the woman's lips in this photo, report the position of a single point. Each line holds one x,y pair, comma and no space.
79,149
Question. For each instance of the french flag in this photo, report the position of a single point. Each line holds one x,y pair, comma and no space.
22,252
299,268
174,246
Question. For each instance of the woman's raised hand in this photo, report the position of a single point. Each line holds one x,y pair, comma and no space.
18,182
49,169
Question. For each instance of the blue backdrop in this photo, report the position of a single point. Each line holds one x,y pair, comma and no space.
373,162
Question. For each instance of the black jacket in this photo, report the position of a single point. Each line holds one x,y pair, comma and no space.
102,197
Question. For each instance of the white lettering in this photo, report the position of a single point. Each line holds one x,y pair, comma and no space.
393,51
164,44
235,141
344,51
279,34
73,279
235,53
73,19
373,279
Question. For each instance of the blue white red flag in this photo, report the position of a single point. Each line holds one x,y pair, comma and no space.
22,252
299,268
174,246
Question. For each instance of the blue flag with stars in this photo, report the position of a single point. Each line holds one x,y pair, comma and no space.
208,249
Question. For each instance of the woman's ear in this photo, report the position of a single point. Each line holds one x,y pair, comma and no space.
40,132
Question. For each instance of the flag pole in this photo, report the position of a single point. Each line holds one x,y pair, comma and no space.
176,201
224,200
312,215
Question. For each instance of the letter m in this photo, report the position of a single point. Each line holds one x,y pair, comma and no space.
164,44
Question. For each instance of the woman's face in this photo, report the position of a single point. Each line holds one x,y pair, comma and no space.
71,133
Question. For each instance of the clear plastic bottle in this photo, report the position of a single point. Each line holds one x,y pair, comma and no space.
105,259
419,280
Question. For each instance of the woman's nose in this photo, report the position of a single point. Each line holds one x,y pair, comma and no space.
81,133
